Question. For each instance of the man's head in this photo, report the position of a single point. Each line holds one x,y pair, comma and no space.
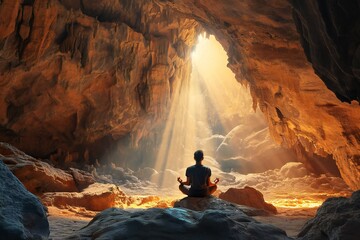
198,155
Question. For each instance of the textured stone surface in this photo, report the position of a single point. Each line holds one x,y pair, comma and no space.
37,176
176,223
248,196
96,197
214,203
337,218
82,75
22,216
329,32
63,72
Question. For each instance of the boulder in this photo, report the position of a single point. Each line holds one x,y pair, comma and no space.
337,218
82,179
248,196
214,203
176,223
22,216
96,197
37,176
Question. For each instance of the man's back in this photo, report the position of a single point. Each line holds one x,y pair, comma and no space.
199,176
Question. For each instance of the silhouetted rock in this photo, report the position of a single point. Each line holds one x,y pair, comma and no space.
22,216
214,203
337,218
247,196
96,197
37,176
177,223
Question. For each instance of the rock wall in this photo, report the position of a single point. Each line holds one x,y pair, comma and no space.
75,75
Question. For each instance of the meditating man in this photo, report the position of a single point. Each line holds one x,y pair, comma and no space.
198,177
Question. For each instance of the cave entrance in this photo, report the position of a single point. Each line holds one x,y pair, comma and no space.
213,112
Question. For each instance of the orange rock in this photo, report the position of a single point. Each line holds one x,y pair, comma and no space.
96,197
247,196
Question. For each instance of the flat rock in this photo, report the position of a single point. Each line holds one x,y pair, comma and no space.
176,223
248,196
337,218
96,197
202,204
22,216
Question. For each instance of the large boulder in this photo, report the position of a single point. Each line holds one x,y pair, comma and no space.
213,203
337,218
96,197
176,223
248,196
37,176
22,216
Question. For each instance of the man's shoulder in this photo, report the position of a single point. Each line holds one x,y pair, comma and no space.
190,168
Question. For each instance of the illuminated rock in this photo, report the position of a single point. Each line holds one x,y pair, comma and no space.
337,218
248,196
96,197
177,223
22,216
37,176
84,75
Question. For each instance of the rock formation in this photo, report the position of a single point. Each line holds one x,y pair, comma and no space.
96,197
22,216
247,196
39,177
176,223
82,75
337,218
76,75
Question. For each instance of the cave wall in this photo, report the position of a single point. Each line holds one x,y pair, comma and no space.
330,35
76,74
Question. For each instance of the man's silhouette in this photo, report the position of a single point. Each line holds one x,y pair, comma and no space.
198,177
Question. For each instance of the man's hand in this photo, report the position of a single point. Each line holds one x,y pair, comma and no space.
216,180
180,180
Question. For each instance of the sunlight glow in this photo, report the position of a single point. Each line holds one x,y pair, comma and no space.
201,106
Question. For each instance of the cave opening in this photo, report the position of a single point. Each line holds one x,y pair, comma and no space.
212,111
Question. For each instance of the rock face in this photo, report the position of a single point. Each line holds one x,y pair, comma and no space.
327,30
39,177
83,74
76,75
22,216
337,218
248,196
176,223
96,197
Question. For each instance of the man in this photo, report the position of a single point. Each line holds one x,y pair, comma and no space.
198,177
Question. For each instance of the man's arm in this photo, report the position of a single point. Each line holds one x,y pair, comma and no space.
209,183
188,182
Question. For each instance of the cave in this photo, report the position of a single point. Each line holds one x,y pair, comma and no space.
123,92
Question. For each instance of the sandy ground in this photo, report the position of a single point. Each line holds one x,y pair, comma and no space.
64,223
